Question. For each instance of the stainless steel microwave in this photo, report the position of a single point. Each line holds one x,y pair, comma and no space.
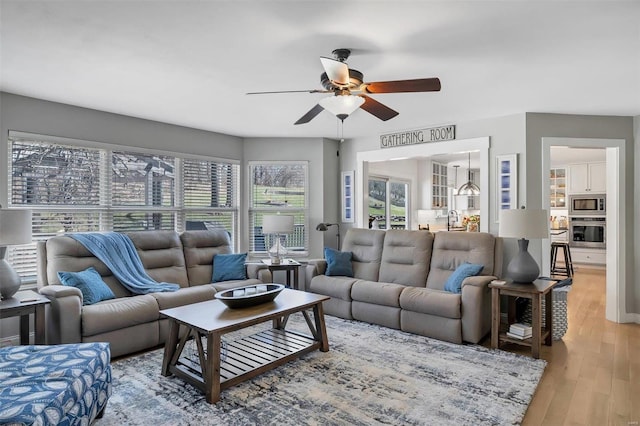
587,204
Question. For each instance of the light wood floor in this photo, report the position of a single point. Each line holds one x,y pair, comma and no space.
593,373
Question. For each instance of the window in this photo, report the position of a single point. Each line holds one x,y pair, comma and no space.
76,186
278,187
388,202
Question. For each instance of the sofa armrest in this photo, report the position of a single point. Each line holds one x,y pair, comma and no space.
478,280
315,267
476,307
259,271
63,314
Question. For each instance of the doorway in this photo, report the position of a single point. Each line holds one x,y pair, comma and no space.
615,216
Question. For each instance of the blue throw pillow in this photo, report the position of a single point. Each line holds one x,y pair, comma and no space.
454,283
338,262
90,283
229,267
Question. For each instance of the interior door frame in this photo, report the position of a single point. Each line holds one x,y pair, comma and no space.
615,305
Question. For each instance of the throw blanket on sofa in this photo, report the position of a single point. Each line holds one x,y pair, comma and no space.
117,251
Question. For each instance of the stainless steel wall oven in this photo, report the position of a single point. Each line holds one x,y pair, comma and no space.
588,231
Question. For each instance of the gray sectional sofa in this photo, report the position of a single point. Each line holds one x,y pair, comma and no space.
131,323
399,277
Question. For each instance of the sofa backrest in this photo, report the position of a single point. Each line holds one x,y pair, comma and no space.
161,255
199,249
63,253
366,246
405,257
451,249
160,252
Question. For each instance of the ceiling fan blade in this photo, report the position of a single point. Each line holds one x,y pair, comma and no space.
338,72
310,115
289,91
404,86
374,107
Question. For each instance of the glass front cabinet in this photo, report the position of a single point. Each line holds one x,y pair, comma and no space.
439,186
558,190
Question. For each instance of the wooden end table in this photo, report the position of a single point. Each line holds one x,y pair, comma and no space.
23,304
290,267
534,291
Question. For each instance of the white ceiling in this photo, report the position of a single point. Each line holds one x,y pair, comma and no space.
191,62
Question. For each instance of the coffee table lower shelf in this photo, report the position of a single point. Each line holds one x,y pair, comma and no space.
248,357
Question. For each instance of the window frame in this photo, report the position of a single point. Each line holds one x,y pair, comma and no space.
252,210
389,180
105,209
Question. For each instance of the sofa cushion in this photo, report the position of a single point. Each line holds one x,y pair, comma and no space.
185,296
405,257
338,287
161,255
118,313
366,246
338,262
199,249
90,283
432,302
229,267
385,294
451,249
466,270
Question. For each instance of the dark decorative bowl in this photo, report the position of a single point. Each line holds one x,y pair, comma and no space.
251,295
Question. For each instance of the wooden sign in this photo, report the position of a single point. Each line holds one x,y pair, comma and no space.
413,137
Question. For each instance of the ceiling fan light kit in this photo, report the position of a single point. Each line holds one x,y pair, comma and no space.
350,91
341,105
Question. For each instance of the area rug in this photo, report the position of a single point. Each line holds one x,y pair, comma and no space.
371,375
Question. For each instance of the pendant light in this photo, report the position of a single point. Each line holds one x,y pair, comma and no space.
469,188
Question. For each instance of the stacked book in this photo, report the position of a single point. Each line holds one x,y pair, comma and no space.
520,331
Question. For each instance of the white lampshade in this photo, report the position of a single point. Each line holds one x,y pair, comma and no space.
341,105
15,227
277,224
524,223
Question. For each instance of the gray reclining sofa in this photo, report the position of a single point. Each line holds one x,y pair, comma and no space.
131,323
399,277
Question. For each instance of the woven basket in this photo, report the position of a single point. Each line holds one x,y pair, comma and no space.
560,323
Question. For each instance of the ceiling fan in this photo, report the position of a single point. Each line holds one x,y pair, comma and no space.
350,91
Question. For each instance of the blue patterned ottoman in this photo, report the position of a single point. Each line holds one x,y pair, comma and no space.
54,385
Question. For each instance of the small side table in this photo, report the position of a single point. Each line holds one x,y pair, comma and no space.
290,266
534,291
22,304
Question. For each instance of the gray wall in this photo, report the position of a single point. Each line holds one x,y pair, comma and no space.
522,134
323,180
600,127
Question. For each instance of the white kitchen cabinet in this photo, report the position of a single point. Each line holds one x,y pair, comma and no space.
558,189
439,186
589,256
587,178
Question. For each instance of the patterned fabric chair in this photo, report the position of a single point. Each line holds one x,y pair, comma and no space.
60,385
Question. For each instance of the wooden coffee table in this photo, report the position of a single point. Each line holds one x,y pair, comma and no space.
246,357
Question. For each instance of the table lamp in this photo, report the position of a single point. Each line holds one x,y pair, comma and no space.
15,229
277,225
523,224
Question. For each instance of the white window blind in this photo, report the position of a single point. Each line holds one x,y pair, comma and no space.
72,188
210,193
279,187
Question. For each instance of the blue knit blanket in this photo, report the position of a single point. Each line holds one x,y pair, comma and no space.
117,251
